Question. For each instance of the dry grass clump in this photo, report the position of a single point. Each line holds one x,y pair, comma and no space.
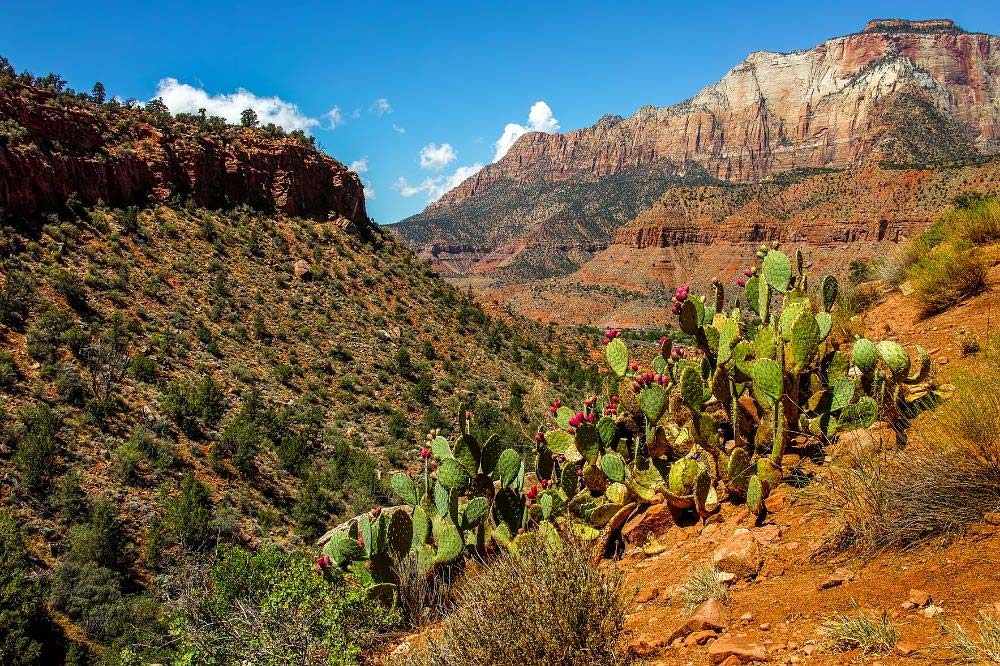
550,605
863,631
943,264
702,585
946,275
981,649
423,597
947,478
977,222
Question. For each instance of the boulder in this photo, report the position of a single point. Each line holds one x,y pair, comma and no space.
742,649
740,554
708,616
654,520
850,445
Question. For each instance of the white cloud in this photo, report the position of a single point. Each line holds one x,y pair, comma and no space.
436,186
380,107
356,113
435,158
540,119
401,130
359,166
369,190
183,98
333,117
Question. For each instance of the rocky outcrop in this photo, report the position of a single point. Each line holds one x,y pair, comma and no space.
778,111
901,93
52,146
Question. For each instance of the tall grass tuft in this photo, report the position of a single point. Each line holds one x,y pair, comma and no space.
946,275
703,584
548,605
861,631
982,649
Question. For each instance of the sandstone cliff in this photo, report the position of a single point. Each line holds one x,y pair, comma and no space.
905,93
53,145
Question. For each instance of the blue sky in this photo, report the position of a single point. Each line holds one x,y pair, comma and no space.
455,73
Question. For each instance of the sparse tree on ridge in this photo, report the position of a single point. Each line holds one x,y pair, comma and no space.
98,93
249,118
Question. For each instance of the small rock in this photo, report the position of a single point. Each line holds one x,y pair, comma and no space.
731,661
908,606
646,595
700,637
746,618
764,627
932,611
740,554
906,288
904,649
401,650
742,649
767,533
993,518
725,577
919,598
774,503
838,577
709,615
302,269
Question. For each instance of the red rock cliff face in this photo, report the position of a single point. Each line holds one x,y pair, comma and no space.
775,111
50,149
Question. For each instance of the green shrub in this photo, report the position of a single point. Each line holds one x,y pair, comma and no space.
189,404
53,328
101,540
188,513
142,369
22,614
35,456
8,369
240,441
69,385
274,606
67,284
17,296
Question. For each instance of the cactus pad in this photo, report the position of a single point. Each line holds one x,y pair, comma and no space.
449,542
895,357
405,488
587,441
558,441
830,288
613,467
768,380
692,389
653,400
453,476
864,355
777,270
508,467
617,354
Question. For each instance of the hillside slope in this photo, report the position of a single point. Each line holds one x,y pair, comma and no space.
176,377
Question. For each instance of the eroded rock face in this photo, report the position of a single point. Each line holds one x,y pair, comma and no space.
777,111
898,93
117,158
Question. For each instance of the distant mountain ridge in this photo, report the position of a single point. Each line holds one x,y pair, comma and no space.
899,92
